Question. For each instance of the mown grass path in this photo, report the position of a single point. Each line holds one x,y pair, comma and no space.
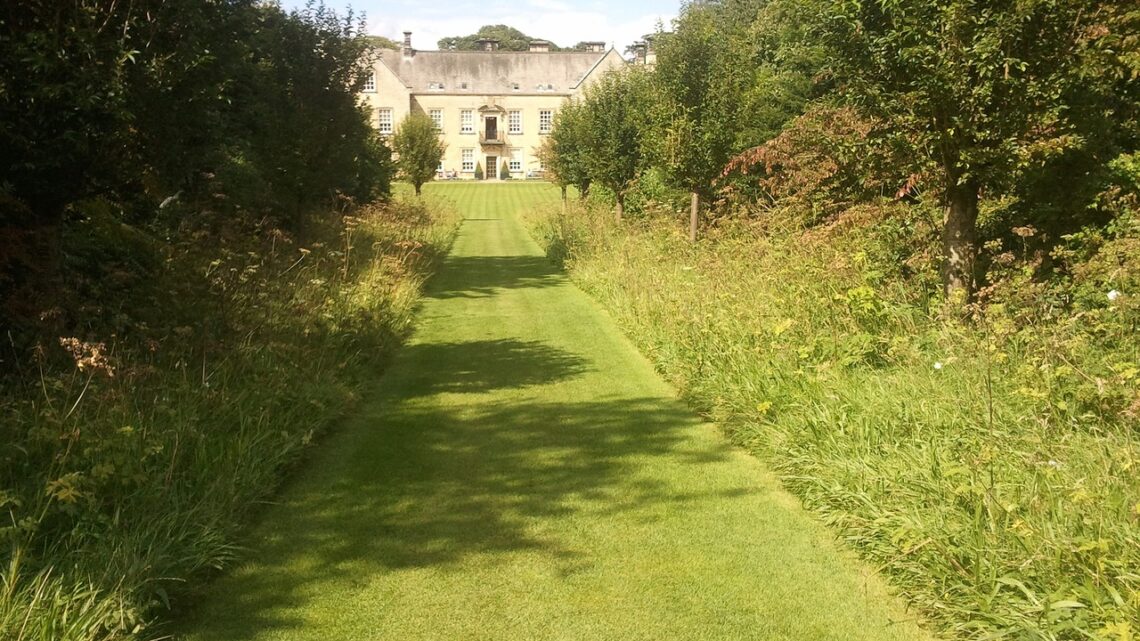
520,472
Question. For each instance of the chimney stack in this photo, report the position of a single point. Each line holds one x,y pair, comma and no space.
488,44
539,46
595,47
408,51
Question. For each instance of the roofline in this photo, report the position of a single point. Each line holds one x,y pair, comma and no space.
561,94
504,51
591,70
500,94
392,71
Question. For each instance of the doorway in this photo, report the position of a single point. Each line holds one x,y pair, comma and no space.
492,168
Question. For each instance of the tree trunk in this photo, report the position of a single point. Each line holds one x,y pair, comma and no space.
418,186
694,209
959,240
620,207
563,200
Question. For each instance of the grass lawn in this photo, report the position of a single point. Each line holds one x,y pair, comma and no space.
520,472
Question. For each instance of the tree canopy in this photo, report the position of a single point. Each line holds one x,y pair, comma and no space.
419,149
948,101
613,128
510,39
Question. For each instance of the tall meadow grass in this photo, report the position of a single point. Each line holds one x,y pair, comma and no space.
988,463
129,463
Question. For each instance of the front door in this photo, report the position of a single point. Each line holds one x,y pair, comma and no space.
492,168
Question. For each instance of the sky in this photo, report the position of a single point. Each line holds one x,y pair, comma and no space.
565,23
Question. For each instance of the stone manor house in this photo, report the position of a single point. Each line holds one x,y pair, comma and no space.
489,106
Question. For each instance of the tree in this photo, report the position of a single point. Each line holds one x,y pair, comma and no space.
419,147
615,120
383,43
510,39
564,151
702,73
505,171
976,88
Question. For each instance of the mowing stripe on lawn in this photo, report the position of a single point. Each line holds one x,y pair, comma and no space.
520,472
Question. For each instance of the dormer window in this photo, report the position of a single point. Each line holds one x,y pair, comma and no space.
514,86
370,82
546,87
435,86
463,85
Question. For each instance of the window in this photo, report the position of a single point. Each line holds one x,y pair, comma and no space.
384,120
437,118
468,160
514,86
516,160
463,85
435,86
545,120
546,87
467,121
370,82
514,122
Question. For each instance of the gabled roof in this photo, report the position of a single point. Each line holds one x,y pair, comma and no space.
492,72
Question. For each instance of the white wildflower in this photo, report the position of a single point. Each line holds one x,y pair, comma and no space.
938,365
1113,295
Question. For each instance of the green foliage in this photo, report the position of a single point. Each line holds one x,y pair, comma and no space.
134,447
420,149
181,91
614,118
383,43
703,72
479,171
980,94
505,171
565,150
981,90
510,39
988,467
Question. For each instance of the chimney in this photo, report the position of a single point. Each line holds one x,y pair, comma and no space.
539,46
408,51
639,51
595,47
488,44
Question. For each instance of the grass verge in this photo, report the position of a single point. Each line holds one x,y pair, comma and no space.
989,467
131,458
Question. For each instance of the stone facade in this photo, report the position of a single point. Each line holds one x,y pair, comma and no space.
490,106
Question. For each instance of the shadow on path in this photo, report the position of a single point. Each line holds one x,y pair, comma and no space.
480,276
414,484
481,366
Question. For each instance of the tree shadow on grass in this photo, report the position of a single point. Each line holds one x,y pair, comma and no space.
415,483
481,276
480,366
